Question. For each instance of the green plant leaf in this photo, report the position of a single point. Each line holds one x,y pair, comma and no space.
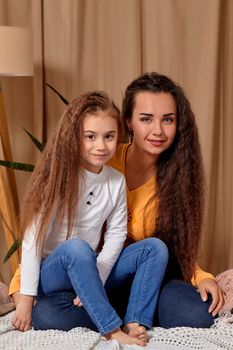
58,93
17,166
36,142
15,246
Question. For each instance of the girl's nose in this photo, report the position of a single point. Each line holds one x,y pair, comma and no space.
100,144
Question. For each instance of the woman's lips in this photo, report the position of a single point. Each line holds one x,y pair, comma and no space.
156,143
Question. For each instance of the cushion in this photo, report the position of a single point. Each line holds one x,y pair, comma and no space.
6,303
225,282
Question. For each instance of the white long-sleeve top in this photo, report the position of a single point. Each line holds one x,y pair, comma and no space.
102,198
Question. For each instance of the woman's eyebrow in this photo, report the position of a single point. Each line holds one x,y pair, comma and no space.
152,115
168,114
147,114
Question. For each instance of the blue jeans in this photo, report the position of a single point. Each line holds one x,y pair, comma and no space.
71,270
180,305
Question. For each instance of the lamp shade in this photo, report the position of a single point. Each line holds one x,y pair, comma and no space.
15,51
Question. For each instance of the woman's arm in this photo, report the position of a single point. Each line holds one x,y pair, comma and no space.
200,275
206,284
15,285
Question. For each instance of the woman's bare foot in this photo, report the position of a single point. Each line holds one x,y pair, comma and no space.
136,331
124,338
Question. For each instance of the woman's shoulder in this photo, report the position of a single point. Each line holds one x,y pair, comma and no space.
118,160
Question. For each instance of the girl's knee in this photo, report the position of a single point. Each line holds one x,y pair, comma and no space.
78,248
158,247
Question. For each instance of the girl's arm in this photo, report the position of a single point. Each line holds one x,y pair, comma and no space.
115,234
22,317
30,263
30,269
16,298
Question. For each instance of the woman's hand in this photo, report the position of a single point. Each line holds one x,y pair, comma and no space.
77,302
209,286
23,315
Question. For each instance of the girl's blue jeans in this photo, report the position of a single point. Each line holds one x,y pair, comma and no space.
71,270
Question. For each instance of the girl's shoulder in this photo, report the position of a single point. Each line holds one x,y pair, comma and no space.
114,175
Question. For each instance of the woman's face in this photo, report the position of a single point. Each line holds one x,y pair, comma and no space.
153,122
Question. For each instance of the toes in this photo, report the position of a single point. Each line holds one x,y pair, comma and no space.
141,342
141,330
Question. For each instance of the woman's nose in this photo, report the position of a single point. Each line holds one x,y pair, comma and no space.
157,130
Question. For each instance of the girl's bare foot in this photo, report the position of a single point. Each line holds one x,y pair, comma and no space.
136,331
124,338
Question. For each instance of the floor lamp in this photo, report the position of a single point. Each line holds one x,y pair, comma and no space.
15,60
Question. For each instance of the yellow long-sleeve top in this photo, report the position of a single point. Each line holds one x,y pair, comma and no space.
141,204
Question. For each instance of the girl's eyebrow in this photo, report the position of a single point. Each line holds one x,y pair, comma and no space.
94,132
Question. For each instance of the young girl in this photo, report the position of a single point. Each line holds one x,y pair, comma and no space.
70,196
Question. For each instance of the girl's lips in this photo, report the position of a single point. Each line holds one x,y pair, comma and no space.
156,143
99,155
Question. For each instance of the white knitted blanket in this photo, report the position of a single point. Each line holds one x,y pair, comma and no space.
220,336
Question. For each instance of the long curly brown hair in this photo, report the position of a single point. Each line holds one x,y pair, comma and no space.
54,186
179,177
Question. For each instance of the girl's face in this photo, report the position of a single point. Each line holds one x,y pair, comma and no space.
153,122
98,140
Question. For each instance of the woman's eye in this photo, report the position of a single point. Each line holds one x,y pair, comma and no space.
146,120
168,120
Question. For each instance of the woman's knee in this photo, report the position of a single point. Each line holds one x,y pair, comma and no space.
180,305
47,311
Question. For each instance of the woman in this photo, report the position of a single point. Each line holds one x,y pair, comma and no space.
165,196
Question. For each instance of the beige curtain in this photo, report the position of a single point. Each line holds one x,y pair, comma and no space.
104,44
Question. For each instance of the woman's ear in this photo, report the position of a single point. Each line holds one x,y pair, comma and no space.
128,122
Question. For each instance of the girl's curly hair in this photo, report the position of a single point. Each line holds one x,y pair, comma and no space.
53,189
179,177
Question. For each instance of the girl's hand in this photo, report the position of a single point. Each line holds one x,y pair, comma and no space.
22,317
209,286
77,302
16,298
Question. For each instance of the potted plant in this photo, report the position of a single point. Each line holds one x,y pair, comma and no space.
25,167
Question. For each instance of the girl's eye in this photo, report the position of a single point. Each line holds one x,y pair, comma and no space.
146,120
90,137
109,137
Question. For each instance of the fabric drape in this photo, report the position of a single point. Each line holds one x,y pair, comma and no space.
82,45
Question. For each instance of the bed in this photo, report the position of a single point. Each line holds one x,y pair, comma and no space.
219,336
